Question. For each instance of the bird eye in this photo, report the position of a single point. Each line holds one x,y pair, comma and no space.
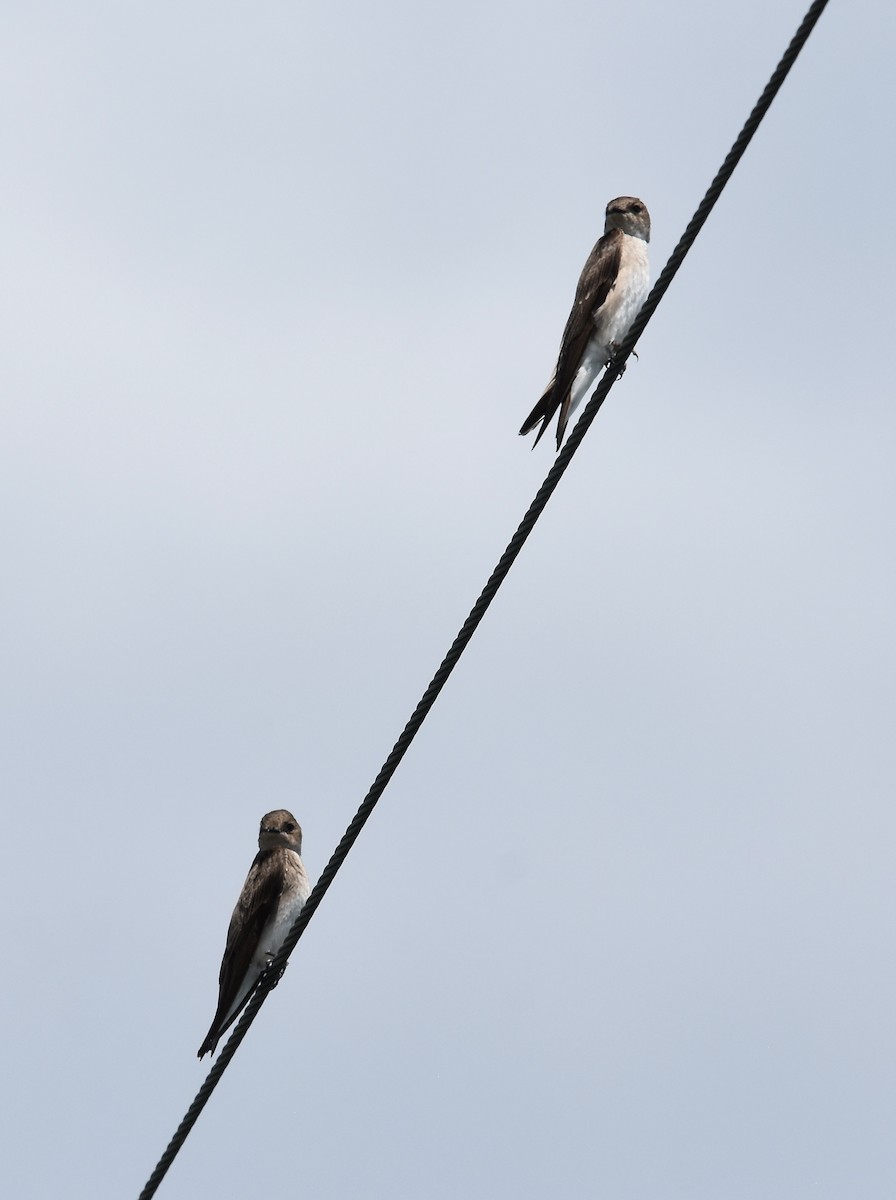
636,208
289,827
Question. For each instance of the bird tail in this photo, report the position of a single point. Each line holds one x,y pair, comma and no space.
211,1040
543,411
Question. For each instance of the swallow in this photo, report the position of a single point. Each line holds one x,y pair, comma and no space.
275,890
612,287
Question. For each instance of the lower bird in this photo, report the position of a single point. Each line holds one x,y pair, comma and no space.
612,287
275,890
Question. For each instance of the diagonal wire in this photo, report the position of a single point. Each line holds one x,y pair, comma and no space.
428,699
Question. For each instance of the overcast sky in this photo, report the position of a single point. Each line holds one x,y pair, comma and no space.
279,283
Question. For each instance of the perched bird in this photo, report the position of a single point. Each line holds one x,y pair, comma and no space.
612,287
272,897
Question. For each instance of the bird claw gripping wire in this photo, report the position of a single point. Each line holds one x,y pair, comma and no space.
612,363
272,978
618,367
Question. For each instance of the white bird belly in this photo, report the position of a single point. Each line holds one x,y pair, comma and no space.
594,360
274,933
614,318
272,938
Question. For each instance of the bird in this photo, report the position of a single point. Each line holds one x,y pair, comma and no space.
275,890
612,287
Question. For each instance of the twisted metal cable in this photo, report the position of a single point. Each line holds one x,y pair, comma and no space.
270,979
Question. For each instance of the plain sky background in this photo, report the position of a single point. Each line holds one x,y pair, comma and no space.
279,284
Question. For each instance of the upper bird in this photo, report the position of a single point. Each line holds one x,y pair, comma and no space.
272,897
612,287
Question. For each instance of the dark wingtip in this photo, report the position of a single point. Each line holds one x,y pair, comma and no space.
528,427
539,413
562,422
208,1046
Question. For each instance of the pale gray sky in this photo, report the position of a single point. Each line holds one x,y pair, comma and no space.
280,283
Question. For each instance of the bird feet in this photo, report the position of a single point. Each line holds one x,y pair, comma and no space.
272,978
618,367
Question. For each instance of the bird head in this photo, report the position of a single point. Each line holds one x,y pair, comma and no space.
630,215
280,828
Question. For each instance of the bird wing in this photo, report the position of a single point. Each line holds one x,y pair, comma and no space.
595,284
257,903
